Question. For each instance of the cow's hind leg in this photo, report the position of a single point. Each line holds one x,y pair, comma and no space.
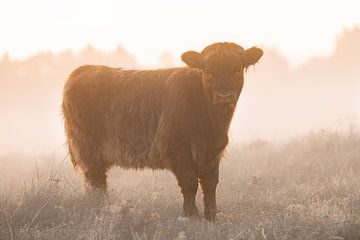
91,164
95,179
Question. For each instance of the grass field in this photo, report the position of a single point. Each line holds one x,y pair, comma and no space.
305,188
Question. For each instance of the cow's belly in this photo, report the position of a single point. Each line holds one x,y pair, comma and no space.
132,156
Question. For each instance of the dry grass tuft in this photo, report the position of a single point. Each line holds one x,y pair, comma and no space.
307,188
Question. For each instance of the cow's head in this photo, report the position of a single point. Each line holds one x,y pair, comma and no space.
223,67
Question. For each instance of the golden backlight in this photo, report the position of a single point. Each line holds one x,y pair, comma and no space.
290,170
298,29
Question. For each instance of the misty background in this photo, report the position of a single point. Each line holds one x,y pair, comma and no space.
278,100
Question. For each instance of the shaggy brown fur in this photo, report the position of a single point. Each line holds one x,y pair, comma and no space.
174,119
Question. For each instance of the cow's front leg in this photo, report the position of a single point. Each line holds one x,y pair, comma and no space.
188,183
209,181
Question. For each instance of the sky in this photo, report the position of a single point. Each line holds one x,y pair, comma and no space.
298,29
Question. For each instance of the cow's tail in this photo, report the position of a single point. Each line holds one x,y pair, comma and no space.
69,125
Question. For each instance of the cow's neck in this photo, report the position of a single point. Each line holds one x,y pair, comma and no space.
220,117
223,117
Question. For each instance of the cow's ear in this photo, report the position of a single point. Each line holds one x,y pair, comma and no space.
253,55
192,59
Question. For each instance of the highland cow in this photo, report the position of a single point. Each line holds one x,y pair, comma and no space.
175,119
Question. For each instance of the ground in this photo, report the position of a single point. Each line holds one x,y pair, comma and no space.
305,188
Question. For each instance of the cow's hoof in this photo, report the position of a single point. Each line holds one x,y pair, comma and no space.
210,215
191,213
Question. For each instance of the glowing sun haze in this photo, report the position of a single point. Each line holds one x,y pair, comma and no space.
298,29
